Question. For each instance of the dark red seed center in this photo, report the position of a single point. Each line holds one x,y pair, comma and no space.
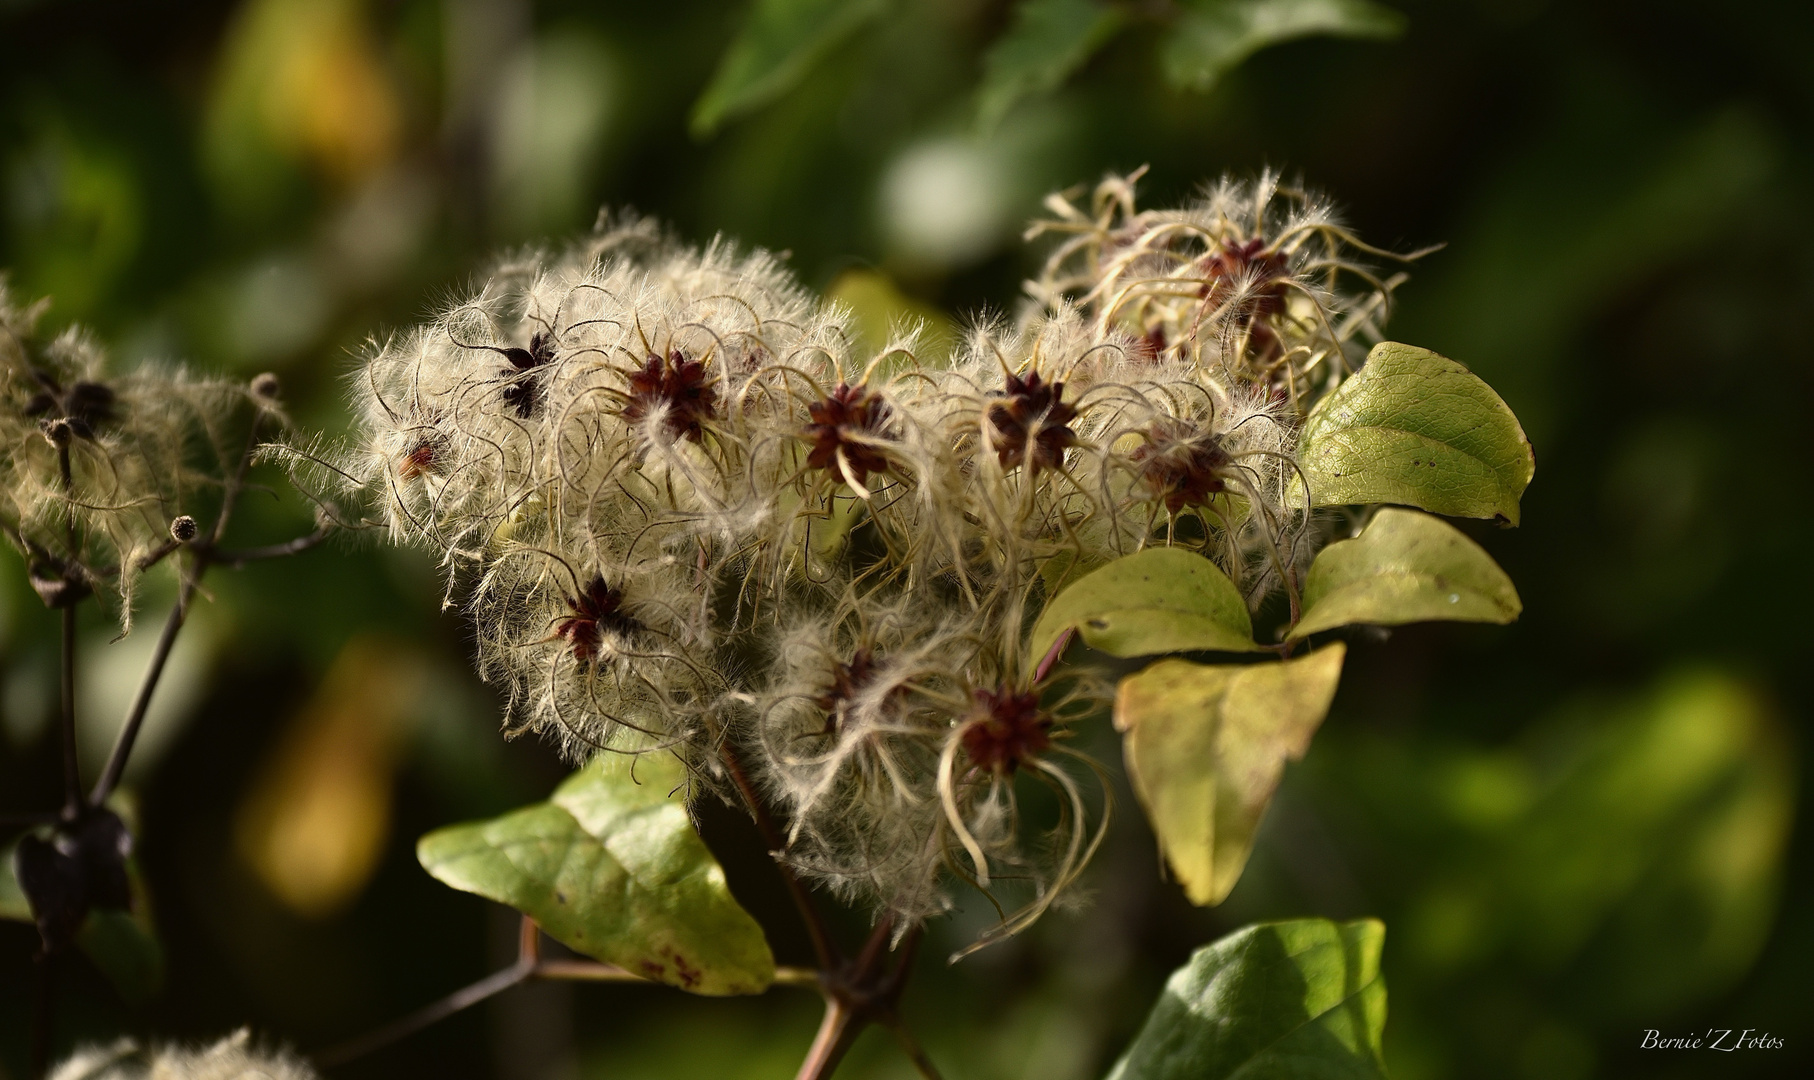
678,390
1005,728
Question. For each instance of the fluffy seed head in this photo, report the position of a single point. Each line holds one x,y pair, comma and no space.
1005,727
676,389
1029,423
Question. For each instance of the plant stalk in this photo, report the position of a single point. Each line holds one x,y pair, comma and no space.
72,769
141,701
824,948
837,1031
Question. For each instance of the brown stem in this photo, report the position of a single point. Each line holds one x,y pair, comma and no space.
236,559
1053,653
866,991
72,769
464,998
837,1031
824,949
44,995
135,717
912,1048
528,965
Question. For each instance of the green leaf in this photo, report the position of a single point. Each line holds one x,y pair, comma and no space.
1416,428
1274,1001
1159,600
779,44
1612,824
1205,746
1212,37
1049,40
1405,567
14,907
125,947
611,867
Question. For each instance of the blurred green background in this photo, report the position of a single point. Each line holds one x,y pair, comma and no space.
1576,829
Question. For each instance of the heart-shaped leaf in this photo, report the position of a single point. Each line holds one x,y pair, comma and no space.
1048,41
1274,1001
1405,567
1206,745
779,43
1211,37
611,867
1419,429
1160,600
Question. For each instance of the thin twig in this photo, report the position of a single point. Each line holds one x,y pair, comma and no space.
236,559
529,965
583,971
129,731
460,999
72,769
157,554
825,949
911,1046
799,978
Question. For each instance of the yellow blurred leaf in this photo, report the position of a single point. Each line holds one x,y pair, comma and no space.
1206,745
316,817
881,308
302,79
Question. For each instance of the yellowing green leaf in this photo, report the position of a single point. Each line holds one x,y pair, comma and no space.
611,867
1048,41
1405,567
778,45
1274,1001
1419,429
1155,601
1205,747
1212,37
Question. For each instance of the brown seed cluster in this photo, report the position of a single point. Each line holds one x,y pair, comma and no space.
677,389
523,392
848,678
597,610
1258,280
1029,423
845,426
418,462
1005,727
84,406
1181,466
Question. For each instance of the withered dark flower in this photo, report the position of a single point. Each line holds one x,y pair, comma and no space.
1257,280
524,392
80,866
677,389
57,586
1005,727
596,611
848,679
843,425
1030,423
85,406
419,461
1181,466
